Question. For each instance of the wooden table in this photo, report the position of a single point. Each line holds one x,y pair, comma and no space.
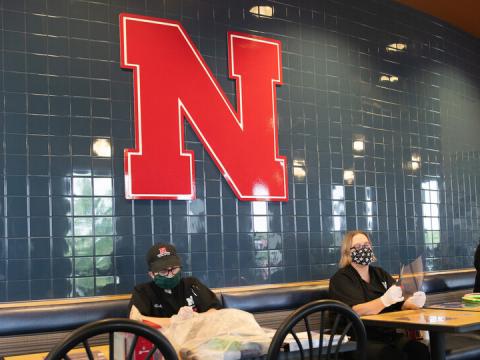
99,352
436,321
456,305
102,352
297,355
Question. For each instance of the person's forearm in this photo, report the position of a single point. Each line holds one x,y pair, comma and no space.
369,308
136,315
163,322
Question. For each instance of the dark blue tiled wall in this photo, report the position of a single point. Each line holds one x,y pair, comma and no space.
66,116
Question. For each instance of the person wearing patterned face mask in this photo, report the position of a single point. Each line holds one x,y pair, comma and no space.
169,294
371,290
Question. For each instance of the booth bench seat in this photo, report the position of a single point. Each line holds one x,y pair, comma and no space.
44,322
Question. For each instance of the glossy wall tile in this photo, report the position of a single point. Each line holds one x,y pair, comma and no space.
377,118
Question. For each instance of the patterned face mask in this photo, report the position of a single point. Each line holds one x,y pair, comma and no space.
363,256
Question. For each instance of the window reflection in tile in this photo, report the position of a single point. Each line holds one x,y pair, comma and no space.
104,285
84,246
82,206
338,192
275,258
103,245
260,222
103,265
103,206
103,226
84,286
102,186
260,241
82,186
261,258
84,266
83,226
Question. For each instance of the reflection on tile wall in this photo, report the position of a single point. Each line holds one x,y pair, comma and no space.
378,117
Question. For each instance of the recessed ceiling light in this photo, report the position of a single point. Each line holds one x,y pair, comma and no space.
395,47
299,172
348,176
388,78
102,147
261,11
415,165
412,165
298,162
358,145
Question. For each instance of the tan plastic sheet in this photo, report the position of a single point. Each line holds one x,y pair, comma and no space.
411,277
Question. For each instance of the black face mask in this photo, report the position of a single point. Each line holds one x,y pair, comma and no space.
363,256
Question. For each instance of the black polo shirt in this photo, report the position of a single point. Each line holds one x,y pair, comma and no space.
347,286
152,300
476,263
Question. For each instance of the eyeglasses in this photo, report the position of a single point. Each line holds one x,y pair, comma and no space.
361,246
167,272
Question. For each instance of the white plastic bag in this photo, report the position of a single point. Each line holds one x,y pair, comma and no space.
225,334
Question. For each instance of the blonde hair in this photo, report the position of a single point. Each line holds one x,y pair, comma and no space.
345,257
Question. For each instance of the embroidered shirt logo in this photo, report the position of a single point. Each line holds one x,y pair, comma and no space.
158,306
190,301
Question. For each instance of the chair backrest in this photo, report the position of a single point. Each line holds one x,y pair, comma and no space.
82,335
335,318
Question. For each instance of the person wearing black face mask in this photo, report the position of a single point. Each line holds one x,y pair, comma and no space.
371,290
169,294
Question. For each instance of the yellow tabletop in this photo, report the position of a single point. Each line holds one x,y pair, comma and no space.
427,319
99,353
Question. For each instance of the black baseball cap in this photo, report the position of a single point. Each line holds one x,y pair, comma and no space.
162,256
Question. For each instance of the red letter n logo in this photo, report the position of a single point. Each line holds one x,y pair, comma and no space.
172,84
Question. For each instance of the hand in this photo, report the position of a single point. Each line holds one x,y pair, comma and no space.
185,312
135,314
417,299
392,296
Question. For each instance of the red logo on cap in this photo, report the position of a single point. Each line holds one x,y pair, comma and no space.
163,252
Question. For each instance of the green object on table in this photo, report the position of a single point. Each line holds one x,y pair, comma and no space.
472,298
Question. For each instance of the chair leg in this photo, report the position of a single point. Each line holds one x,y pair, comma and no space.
88,350
132,348
111,346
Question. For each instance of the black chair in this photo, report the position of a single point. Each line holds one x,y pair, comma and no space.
82,335
331,312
